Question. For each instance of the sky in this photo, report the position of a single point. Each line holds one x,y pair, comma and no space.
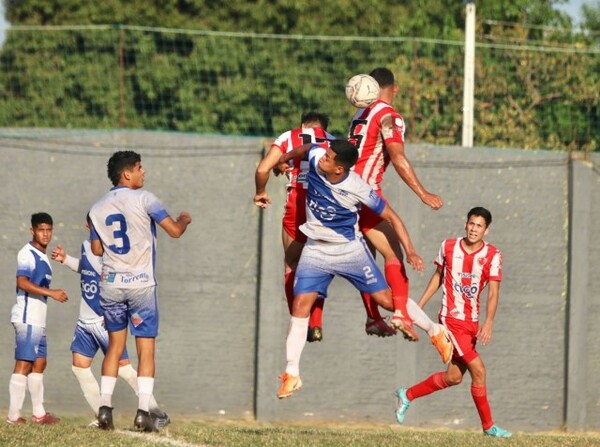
573,7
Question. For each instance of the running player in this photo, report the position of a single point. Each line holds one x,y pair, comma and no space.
91,335
334,243
313,129
28,317
465,266
124,234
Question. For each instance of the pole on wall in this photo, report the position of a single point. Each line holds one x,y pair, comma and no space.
469,75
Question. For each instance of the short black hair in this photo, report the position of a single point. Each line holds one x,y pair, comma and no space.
118,162
481,212
383,76
312,117
41,218
346,153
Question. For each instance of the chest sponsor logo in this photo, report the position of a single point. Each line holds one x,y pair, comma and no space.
468,291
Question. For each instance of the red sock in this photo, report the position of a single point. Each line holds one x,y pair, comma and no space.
395,274
479,394
370,306
316,313
433,383
288,285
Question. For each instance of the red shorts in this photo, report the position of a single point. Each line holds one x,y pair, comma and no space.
295,214
367,219
463,335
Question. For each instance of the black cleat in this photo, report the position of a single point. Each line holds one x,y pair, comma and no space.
143,421
160,419
314,334
105,419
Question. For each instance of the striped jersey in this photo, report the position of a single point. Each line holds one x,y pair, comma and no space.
332,209
371,130
294,138
125,221
465,276
30,308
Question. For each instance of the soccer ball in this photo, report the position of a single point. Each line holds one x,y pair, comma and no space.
362,90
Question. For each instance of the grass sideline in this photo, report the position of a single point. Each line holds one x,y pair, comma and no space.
73,432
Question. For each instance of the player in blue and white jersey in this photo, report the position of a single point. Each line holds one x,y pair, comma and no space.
90,333
335,245
124,234
28,317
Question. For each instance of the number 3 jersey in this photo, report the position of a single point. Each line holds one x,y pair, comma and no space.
332,208
464,276
125,221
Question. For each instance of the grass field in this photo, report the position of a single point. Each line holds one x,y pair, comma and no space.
73,432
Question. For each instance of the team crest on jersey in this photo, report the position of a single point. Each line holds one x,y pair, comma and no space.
136,320
399,124
481,261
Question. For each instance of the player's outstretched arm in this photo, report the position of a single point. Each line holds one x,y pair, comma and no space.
175,228
261,176
60,255
406,171
402,233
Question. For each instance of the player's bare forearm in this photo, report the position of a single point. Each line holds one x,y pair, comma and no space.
261,177
297,152
405,170
26,285
433,285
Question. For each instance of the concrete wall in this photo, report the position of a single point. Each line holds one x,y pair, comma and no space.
223,312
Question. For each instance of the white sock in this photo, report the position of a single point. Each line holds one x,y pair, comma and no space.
296,340
17,387
89,386
129,375
35,384
107,387
145,388
421,319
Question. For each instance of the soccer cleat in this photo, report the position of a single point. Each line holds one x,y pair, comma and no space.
143,421
379,328
17,421
289,385
403,404
160,419
497,432
442,343
404,325
314,334
47,419
105,419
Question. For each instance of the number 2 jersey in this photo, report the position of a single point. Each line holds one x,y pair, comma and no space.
125,221
464,276
332,208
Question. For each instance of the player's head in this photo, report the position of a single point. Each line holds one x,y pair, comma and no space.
383,76
346,153
121,161
480,212
315,119
41,229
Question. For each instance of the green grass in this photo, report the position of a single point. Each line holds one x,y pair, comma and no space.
73,431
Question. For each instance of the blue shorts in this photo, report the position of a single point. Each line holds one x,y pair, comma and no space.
30,342
137,308
89,337
321,261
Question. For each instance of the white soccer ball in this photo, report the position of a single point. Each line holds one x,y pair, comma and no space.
362,90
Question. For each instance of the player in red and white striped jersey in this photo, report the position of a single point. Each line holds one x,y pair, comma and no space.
465,267
378,132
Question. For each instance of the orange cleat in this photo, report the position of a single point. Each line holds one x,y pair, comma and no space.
289,385
442,343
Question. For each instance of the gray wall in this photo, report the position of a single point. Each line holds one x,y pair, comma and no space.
223,312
